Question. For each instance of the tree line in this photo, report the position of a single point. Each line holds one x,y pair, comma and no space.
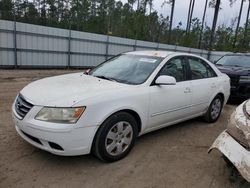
135,19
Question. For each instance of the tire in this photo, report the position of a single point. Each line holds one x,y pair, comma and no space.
115,137
214,110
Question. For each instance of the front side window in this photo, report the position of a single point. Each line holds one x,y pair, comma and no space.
174,68
199,69
126,68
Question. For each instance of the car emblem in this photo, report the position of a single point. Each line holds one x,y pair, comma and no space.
19,104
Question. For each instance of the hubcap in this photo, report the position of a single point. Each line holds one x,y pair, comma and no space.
215,109
119,138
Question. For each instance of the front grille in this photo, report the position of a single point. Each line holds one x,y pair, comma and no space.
22,107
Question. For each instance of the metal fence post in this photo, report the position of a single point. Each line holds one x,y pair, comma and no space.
107,48
135,45
175,48
202,52
208,55
69,48
15,45
157,47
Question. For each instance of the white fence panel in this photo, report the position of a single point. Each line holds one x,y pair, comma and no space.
41,43
40,46
87,47
118,45
6,40
42,30
88,36
8,25
167,47
7,58
86,60
41,59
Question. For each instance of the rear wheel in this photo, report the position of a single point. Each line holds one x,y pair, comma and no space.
116,137
214,110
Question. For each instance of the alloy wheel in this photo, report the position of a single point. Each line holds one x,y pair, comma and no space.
119,138
216,108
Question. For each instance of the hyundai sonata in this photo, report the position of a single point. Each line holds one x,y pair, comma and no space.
105,110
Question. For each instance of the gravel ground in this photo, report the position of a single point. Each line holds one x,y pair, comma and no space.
171,157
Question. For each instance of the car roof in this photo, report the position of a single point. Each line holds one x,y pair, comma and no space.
152,53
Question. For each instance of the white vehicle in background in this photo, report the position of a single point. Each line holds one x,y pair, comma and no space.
127,96
234,142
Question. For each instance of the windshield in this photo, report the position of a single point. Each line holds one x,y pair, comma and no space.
236,61
129,69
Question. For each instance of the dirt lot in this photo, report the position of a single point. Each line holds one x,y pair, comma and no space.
171,157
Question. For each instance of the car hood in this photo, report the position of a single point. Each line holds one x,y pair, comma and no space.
67,90
238,71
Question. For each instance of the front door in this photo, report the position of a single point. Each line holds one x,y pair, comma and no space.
169,103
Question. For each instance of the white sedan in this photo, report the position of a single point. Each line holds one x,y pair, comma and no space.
105,110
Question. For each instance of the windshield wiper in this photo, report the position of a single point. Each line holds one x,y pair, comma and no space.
106,78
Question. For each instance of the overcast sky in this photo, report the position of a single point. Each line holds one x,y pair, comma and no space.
226,14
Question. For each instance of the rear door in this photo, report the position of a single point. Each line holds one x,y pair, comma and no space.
203,83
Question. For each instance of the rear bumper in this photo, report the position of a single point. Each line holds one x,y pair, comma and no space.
235,152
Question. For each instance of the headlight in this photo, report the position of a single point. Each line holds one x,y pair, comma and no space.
244,78
60,115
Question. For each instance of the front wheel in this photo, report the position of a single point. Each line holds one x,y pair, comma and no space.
214,110
115,138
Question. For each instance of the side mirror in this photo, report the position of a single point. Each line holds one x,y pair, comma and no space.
87,71
165,80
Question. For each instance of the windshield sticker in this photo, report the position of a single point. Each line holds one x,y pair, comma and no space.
147,60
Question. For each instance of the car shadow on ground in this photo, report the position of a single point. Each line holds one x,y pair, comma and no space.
90,159
145,139
235,101
235,177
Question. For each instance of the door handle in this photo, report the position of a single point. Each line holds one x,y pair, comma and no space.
213,85
187,90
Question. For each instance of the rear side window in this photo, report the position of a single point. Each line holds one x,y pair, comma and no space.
200,69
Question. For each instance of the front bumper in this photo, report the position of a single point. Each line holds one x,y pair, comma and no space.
234,152
241,91
60,139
